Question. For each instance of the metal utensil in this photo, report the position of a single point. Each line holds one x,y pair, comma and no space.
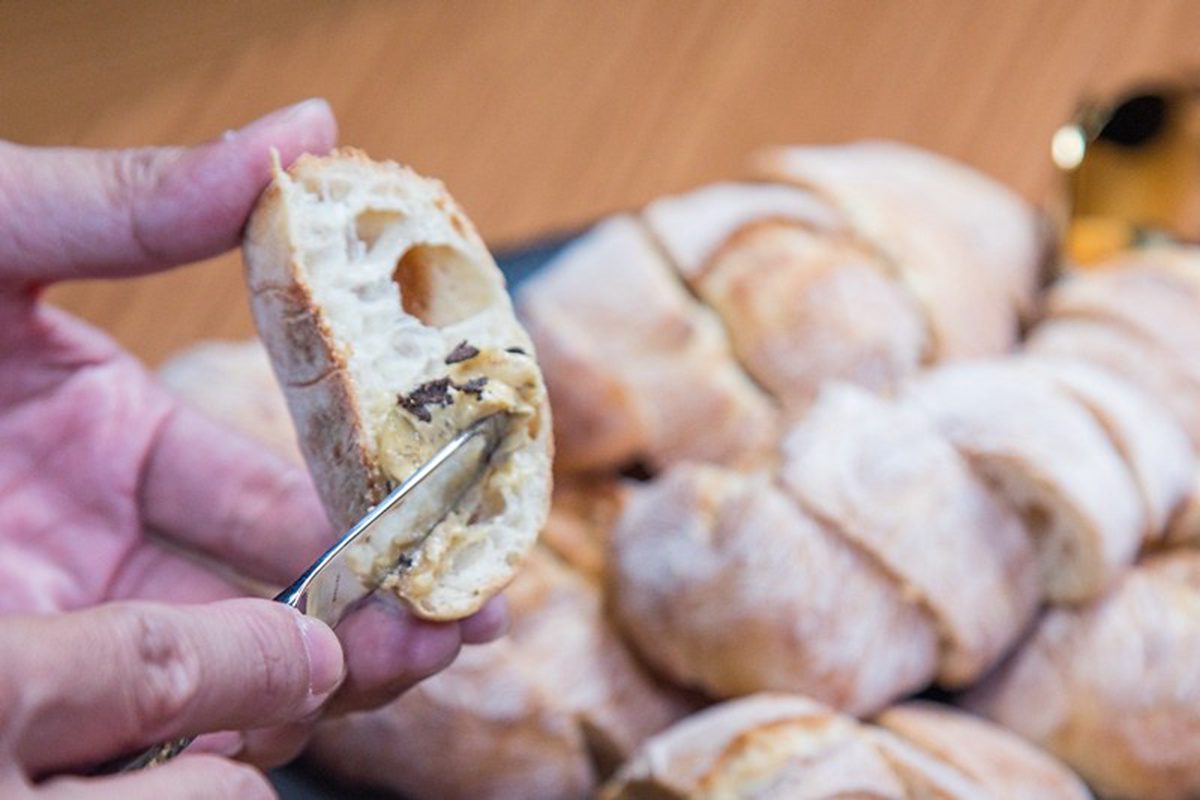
478,441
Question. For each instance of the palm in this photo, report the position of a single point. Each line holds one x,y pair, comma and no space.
77,417
83,478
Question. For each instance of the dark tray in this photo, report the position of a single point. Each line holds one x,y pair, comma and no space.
301,781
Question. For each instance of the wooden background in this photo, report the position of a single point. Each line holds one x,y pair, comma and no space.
543,115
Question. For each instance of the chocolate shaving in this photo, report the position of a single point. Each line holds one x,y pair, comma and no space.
433,393
462,352
516,350
473,386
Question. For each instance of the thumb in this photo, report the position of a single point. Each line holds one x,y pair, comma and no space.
74,213
94,684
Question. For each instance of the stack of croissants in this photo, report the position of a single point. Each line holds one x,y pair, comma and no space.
829,439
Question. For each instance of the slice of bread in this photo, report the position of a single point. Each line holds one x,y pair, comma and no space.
1154,446
546,712
691,227
766,747
726,585
1050,459
784,747
389,327
1003,238
638,369
882,476
986,753
1130,356
1110,687
972,258
803,307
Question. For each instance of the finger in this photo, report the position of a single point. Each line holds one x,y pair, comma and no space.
152,572
488,624
91,685
71,213
189,777
210,488
273,747
388,650
222,743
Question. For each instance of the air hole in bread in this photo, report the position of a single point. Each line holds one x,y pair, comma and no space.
439,286
369,225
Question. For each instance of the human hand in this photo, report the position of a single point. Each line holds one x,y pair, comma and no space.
83,687
108,485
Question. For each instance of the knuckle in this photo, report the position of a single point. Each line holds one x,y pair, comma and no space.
271,653
167,672
134,172
135,175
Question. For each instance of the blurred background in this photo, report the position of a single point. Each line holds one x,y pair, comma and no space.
541,116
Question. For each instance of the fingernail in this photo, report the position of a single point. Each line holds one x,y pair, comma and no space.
325,660
286,114
224,743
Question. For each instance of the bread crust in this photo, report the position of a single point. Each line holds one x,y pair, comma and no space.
1051,460
548,711
691,227
963,244
883,477
363,276
781,747
702,756
1110,687
725,585
988,754
1128,355
612,322
805,306
1152,444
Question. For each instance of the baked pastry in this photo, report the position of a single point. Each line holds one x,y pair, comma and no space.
805,306
1128,355
969,249
637,369
1050,459
390,331
777,747
692,226
724,584
582,515
881,475
1151,442
763,747
1111,687
987,755
548,711
1133,293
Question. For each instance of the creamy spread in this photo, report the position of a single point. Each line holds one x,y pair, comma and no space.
475,384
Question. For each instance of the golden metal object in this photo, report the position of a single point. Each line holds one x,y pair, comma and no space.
1131,167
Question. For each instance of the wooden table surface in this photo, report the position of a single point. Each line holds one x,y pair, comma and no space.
541,116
